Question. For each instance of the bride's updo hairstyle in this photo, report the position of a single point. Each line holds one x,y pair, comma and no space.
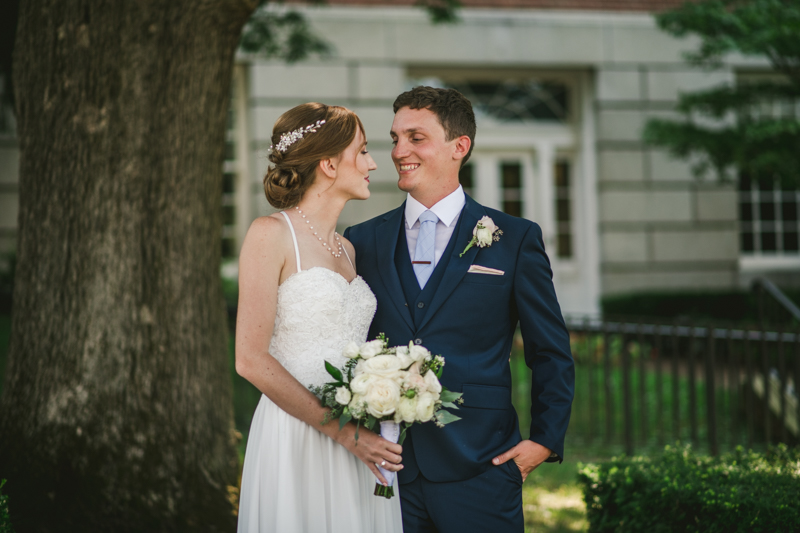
293,170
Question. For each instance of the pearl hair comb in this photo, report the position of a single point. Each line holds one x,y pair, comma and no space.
288,139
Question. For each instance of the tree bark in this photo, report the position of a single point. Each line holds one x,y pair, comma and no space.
116,410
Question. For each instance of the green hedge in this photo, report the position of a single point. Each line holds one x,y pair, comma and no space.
713,305
5,520
683,491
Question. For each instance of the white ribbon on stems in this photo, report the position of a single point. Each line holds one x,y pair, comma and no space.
390,431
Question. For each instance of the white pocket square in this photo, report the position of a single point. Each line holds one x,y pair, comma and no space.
478,269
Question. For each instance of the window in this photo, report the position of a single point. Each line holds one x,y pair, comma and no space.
505,96
768,217
563,209
229,177
511,185
7,123
517,100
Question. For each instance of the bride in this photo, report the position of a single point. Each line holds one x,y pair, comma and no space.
300,303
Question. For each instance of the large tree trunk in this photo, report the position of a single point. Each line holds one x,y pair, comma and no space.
116,410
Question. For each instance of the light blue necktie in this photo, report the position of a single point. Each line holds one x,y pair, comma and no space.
426,247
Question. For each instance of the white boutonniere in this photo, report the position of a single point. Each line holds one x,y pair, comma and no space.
484,233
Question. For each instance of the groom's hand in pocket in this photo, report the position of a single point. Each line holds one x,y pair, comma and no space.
527,455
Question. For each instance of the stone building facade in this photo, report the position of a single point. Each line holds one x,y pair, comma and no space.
562,90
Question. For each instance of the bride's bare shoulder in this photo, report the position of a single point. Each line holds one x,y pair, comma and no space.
267,233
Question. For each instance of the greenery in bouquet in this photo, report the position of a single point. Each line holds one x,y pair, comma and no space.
381,383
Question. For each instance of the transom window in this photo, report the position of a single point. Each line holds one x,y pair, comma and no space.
768,217
517,100
505,96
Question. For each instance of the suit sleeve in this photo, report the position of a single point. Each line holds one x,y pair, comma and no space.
546,340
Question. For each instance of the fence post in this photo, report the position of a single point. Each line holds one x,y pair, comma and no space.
676,413
749,398
767,387
733,389
590,377
642,385
711,407
692,388
797,377
607,383
659,387
626,395
782,392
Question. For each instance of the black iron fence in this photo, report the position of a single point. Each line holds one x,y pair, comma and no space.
642,385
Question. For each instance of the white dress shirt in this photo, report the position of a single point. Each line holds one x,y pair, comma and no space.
447,209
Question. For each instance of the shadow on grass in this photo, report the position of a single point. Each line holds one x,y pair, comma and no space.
552,500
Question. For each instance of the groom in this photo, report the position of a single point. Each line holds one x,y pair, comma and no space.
468,475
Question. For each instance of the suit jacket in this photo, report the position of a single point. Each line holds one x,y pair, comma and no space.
470,319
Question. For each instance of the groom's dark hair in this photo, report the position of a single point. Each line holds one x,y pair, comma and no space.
451,107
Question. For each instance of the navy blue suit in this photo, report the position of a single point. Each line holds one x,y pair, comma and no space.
470,319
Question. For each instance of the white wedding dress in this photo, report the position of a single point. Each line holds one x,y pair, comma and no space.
295,478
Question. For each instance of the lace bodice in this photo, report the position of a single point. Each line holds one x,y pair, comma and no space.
318,313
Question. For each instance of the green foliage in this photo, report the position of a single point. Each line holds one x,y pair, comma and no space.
5,519
682,491
752,128
284,33
440,11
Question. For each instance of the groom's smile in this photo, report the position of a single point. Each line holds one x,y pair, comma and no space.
422,155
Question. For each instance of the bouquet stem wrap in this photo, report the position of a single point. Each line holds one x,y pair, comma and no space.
390,431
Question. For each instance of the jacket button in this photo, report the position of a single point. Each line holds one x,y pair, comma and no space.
418,341
421,305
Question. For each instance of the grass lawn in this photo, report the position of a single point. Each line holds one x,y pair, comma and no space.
552,499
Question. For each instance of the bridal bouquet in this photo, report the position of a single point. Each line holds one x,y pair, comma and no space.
388,388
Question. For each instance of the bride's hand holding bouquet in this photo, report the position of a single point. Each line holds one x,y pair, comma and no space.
388,388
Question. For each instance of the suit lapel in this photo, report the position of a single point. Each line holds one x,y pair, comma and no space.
386,235
458,266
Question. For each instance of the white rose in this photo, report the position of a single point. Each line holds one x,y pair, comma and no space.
484,237
382,365
418,353
432,383
403,357
371,348
425,404
406,410
356,405
351,350
343,395
382,397
484,231
360,383
414,381
488,223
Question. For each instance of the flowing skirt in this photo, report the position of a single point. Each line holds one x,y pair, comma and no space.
297,479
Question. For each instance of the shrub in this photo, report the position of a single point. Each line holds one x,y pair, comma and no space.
5,520
682,491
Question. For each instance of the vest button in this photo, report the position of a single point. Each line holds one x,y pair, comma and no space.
421,305
417,341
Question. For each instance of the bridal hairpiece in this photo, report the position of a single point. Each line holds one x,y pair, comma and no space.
288,139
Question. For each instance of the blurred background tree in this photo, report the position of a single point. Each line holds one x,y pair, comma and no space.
116,404
751,129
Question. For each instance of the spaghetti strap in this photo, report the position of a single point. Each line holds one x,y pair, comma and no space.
294,239
348,257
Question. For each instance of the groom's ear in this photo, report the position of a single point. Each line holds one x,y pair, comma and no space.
461,148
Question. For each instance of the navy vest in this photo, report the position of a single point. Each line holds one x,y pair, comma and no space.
416,299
